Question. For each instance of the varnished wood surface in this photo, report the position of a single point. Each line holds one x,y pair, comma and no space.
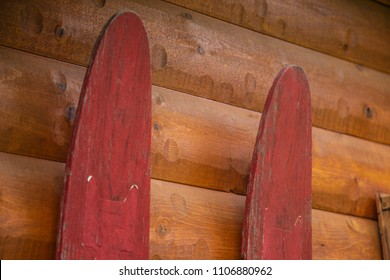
347,172
203,56
183,209
29,205
357,31
337,235
195,141
39,98
186,222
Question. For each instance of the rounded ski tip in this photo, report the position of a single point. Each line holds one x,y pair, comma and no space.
288,68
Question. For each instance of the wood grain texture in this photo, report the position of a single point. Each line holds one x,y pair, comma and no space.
343,173
105,210
277,218
187,146
194,223
197,54
29,206
186,222
39,98
357,31
26,249
336,235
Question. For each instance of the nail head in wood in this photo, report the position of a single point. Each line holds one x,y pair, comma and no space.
201,50
368,112
59,32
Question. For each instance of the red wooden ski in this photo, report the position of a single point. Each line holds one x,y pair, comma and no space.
105,211
277,223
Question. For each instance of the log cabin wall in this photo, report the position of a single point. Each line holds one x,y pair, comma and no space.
213,63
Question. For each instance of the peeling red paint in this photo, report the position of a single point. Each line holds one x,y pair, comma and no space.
277,223
106,203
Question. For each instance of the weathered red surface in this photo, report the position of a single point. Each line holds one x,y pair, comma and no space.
106,200
277,223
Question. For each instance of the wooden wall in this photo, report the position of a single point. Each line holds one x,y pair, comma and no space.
212,67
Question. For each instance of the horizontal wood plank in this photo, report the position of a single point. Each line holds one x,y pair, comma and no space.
20,248
29,201
347,172
194,223
38,104
215,219
358,31
195,141
212,147
186,222
336,236
203,56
